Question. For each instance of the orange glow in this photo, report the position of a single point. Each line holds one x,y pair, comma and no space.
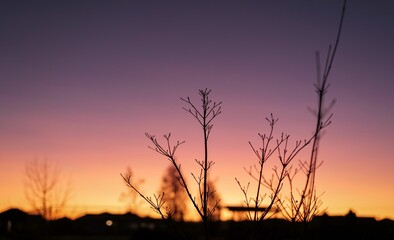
99,190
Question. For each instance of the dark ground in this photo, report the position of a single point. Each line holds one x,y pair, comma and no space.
16,224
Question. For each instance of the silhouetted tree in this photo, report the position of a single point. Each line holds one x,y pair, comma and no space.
175,195
45,189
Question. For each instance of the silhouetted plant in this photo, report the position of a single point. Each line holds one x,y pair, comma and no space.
307,205
204,116
280,147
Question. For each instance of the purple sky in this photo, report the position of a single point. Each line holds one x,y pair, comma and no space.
82,81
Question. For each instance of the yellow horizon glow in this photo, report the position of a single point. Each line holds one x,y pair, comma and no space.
94,194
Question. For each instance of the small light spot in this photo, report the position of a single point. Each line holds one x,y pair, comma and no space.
109,223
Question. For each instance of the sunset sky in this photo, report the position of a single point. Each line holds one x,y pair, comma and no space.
82,81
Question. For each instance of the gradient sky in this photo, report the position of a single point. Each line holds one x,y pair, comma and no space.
82,81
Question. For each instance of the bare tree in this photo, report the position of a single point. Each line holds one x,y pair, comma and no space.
175,195
45,189
204,116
